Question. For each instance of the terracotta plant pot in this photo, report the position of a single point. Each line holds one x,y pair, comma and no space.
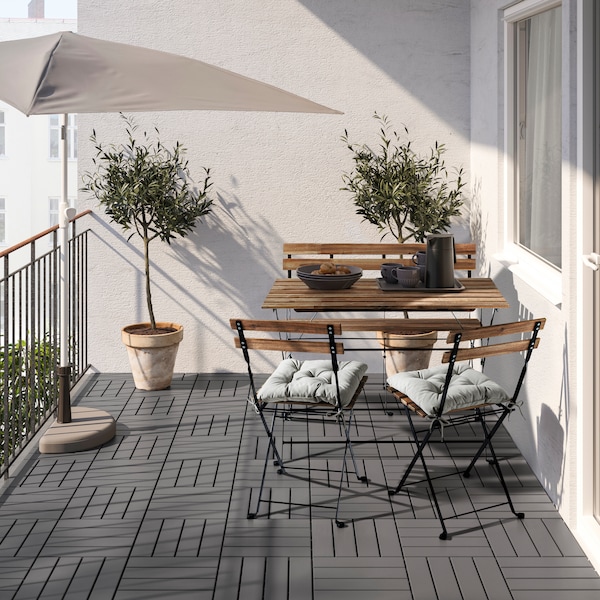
407,352
152,356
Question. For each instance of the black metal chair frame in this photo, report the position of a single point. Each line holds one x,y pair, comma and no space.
479,414
297,409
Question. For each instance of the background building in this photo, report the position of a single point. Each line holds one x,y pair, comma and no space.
30,183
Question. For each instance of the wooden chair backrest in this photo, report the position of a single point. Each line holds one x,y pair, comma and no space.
368,257
284,344
491,337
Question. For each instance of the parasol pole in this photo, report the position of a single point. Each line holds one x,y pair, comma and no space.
86,428
64,213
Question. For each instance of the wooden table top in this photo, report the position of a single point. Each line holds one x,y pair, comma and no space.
366,295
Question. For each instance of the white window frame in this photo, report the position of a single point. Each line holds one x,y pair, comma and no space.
532,269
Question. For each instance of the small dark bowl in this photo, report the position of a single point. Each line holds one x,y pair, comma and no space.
328,282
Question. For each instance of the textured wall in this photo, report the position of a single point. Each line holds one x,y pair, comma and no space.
276,176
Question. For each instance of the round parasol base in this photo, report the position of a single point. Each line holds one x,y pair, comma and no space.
89,428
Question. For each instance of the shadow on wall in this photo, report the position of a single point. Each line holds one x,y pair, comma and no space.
472,219
551,438
541,434
423,46
231,258
551,444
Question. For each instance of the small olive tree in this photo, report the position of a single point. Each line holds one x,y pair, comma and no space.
403,194
145,187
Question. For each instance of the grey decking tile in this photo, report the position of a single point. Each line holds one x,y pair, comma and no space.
161,511
58,583
276,577
443,577
492,579
36,579
369,577
467,576
388,538
91,537
12,573
497,537
419,576
367,542
322,538
563,537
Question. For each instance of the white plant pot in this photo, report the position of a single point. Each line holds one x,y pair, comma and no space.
152,357
406,352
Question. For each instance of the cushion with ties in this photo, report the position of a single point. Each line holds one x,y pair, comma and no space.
312,381
468,388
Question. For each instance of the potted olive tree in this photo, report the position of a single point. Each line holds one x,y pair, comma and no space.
408,196
146,188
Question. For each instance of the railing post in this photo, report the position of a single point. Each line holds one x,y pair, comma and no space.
5,387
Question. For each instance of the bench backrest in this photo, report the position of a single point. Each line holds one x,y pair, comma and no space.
368,257
327,331
493,340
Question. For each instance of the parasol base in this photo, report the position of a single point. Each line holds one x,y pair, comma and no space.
89,428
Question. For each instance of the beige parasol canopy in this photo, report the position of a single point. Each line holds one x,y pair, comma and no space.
70,73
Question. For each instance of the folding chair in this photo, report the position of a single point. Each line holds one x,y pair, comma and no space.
457,394
302,387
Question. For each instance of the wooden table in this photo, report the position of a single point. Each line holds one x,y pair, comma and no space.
365,295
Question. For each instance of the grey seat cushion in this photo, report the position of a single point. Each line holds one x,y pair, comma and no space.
312,381
468,388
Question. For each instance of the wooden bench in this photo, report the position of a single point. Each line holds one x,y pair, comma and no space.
368,257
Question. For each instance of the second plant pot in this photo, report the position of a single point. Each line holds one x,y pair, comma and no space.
407,352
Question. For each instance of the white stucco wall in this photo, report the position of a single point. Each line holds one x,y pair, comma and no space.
276,176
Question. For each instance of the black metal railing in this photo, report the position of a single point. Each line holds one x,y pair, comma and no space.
30,333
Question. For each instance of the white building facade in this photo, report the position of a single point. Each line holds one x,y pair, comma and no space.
511,88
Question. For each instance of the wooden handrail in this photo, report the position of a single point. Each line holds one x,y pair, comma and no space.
40,235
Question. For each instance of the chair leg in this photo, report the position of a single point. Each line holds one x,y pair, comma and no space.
278,460
494,462
347,447
338,521
421,444
488,435
346,427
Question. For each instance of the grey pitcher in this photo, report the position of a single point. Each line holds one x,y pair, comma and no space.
441,256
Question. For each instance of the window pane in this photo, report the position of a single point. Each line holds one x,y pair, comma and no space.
2,135
539,134
53,143
52,212
2,221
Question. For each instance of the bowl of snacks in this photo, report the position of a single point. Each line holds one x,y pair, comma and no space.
329,276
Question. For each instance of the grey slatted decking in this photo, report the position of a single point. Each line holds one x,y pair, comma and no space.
160,512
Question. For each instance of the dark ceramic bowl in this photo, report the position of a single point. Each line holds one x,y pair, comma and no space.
328,282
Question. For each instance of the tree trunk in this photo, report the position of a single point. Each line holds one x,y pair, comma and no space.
148,290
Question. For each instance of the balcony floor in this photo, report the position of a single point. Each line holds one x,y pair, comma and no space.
160,512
